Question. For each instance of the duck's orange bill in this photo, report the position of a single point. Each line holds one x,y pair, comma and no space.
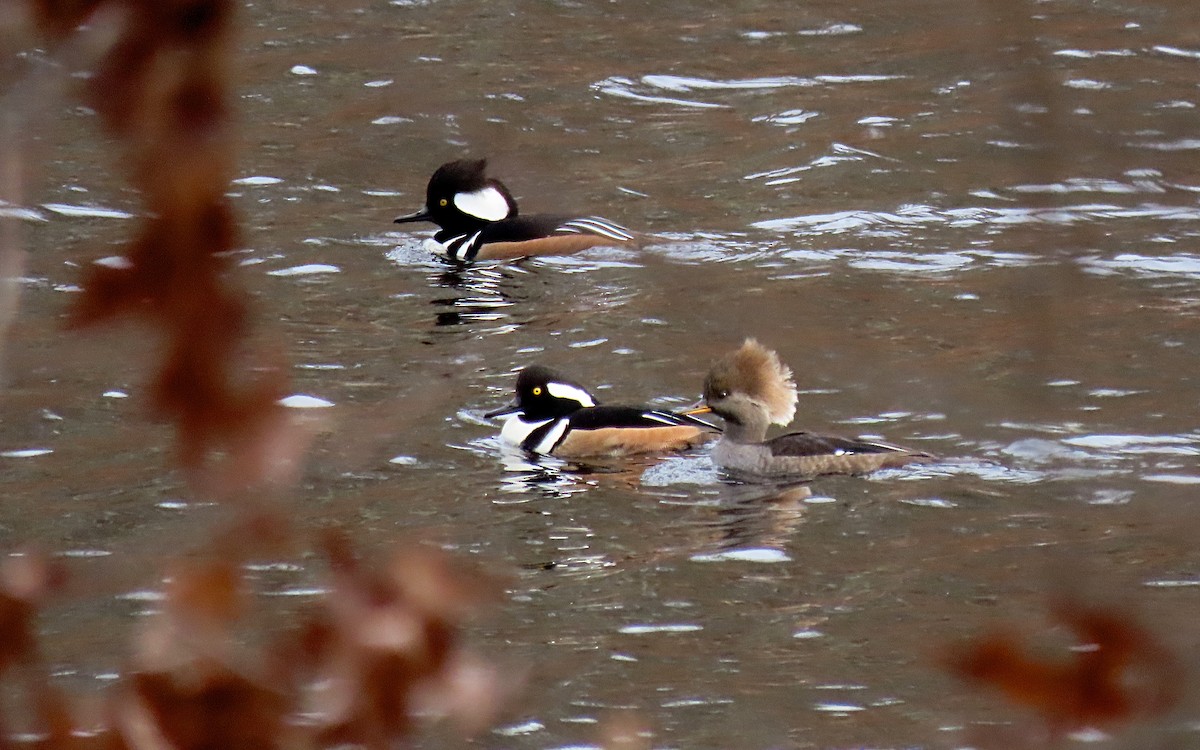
699,410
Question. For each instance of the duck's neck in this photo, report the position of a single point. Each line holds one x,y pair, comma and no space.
752,430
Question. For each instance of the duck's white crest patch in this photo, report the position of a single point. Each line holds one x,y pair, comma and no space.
488,204
574,393
552,437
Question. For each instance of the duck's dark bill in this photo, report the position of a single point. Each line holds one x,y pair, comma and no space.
512,408
422,215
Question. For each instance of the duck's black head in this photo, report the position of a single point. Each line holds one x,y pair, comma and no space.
543,393
461,198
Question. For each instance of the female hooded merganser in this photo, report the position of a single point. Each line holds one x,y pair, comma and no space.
750,389
479,221
556,416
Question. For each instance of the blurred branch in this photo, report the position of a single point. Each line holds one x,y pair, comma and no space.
25,107
12,254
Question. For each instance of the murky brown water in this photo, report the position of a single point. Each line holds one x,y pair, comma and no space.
969,228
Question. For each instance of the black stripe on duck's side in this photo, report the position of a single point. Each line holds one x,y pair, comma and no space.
632,417
553,414
625,430
546,437
536,226
607,431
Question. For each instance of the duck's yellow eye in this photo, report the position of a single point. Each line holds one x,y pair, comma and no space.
537,390
443,203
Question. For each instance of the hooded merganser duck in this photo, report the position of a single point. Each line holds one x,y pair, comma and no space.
479,221
750,388
559,417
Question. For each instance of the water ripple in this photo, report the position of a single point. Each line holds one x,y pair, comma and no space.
1176,51
9,210
1185,445
1091,185
93,212
988,471
789,117
651,87
1183,144
972,216
626,88
1144,265
839,153
1092,54
833,29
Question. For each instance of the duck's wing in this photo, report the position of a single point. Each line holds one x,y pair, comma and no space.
603,416
595,225
812,444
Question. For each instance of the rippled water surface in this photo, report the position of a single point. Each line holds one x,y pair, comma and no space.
972,228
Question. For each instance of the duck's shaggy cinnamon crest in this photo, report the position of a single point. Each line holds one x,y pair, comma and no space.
757,372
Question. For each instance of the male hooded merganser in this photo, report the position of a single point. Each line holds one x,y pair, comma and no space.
556,416
479,221
750,388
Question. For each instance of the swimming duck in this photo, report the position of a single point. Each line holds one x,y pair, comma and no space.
554,415
478,220
750,389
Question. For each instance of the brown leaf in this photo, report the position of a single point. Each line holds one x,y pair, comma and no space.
1116,673
219,709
